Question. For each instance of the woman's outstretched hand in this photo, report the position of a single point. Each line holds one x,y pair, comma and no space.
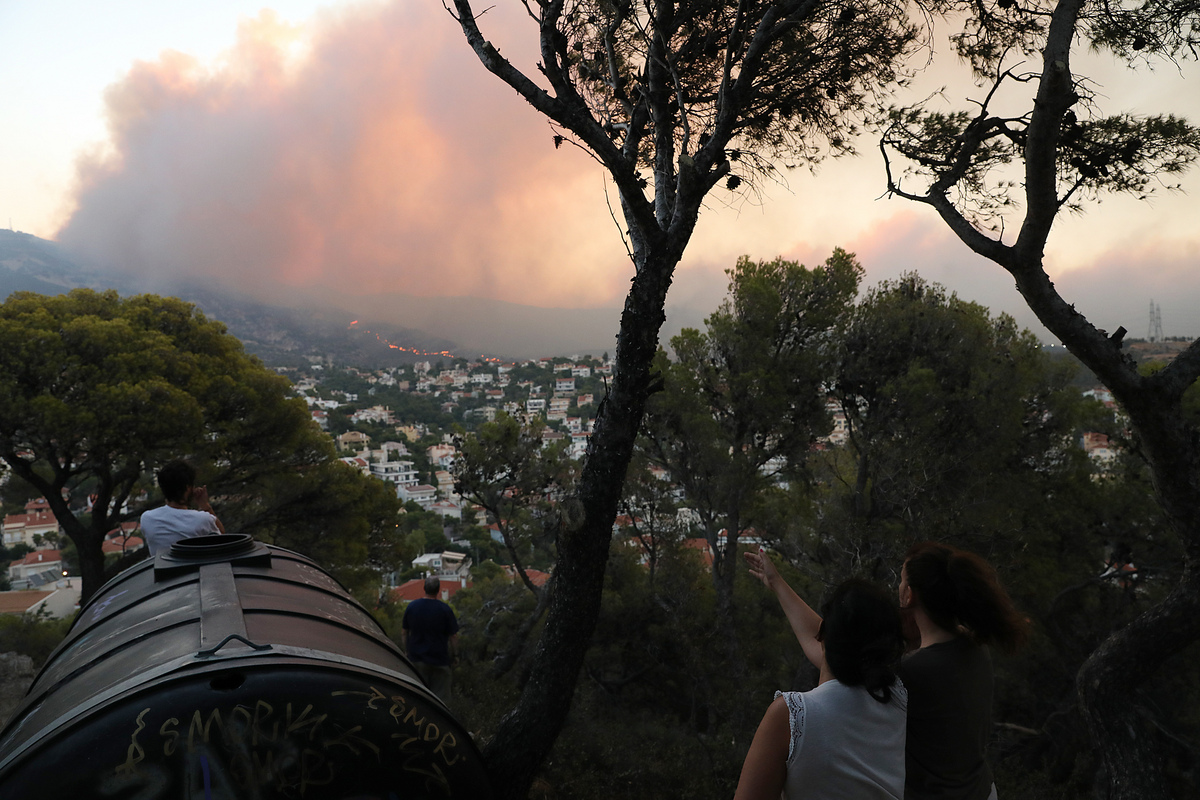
762,568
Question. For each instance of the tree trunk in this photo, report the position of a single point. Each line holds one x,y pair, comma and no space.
525,737
1108,682
89,546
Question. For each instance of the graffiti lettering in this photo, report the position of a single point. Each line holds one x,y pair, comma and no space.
447,743
303,721
135,754
169,735
262,711
102,606
349,740
374,696
310,762
404,715
204,728
290,748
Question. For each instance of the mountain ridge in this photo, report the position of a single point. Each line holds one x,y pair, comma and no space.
374,330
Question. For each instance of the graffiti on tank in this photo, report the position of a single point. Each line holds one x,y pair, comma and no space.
102,606
289,748
418,733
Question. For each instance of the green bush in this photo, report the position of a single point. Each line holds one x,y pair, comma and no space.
34,635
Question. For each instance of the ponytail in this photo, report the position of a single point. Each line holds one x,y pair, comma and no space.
959,590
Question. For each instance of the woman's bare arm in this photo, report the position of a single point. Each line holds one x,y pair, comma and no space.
803,619
764,771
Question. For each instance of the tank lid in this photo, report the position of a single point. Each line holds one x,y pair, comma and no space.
188,554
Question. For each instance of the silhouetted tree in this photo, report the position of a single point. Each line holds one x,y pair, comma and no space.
1066,152
672,99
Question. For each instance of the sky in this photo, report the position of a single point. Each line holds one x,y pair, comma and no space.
288,148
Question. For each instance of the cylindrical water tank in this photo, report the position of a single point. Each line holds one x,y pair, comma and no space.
227,669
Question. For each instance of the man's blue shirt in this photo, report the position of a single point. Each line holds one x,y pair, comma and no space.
430,624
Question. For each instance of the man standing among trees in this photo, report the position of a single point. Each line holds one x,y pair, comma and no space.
428,635
167,524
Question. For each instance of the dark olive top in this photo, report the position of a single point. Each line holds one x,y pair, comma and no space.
949,721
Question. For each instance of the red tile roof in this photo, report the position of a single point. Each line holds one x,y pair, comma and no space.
536,576
38,557
415,589
130,544
20,602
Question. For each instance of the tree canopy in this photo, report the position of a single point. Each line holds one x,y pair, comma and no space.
743,401
99,390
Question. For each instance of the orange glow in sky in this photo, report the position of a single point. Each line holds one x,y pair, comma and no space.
361,150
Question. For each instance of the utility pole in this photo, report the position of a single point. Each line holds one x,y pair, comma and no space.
1154,332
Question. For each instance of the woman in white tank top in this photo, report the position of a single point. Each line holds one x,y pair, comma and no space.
845,738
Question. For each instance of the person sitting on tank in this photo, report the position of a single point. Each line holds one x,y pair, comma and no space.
176,520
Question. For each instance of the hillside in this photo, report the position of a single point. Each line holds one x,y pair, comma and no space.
279,336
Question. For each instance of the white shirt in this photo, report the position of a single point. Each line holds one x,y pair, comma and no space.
845,743
165,525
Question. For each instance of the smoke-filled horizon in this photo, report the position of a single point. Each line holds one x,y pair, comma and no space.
364,151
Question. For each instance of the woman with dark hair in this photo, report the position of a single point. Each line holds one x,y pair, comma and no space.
957,605
845,738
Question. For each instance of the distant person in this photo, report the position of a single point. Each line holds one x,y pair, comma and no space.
845,738
958,606
428,633
176,520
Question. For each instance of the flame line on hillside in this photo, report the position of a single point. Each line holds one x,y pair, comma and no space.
417,351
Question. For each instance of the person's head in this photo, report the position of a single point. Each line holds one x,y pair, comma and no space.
175,479
861,633
960,592
433,585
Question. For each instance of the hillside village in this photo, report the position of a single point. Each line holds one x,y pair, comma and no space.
399,425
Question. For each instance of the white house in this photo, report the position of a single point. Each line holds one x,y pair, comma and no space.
841,428
358,462
448,564
380,414
38,520
447,508
445,482
422,494
401,473
35,569
352,439
441,455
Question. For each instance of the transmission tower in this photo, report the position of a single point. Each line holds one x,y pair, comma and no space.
1155,332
